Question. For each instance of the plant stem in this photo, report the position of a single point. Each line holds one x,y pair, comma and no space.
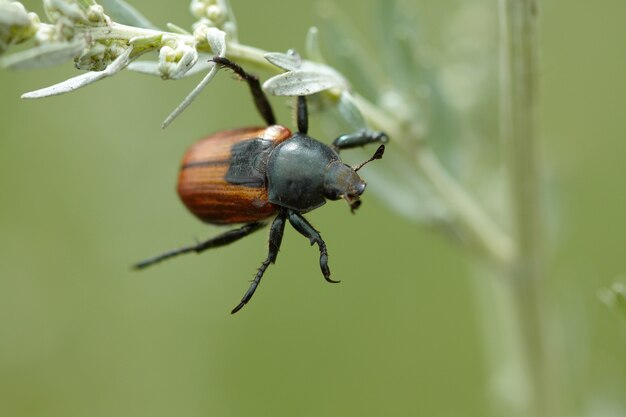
519,92
477,226
250,54
479,229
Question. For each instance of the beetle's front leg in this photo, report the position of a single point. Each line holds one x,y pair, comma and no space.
360,138
276,237
307,230
302,115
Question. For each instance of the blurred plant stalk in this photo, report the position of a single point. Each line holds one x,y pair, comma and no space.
518,123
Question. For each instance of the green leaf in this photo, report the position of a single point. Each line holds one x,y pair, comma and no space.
350,112
177,29
614,297
217,41
398,42
288,62
45,55
310,79
312,45
356,60
82,80
124,13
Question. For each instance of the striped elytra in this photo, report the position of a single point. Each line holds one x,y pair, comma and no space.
203,185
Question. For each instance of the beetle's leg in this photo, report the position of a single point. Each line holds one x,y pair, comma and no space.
276,237
307,230
302,115
220,240
260,99
360,138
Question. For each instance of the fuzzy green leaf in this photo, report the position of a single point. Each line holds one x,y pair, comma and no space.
217,41
124,13
350,112
288,62
312,45
82,80
310,79
45,55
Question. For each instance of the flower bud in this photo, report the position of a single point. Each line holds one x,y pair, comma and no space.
16,24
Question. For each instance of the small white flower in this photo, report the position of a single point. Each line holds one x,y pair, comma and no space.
200,30
198,8
12,14
65,11
46,34
215,14
176,58
96,14
16,24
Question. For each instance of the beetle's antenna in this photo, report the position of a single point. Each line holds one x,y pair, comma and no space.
377,155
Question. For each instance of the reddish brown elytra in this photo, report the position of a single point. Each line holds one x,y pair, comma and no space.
203,186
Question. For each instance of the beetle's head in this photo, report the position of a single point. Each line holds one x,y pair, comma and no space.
342,181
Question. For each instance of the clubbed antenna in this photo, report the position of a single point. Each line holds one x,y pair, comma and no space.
377,155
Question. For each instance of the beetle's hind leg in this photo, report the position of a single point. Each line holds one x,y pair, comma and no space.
276,237
307,230
260,99
220,240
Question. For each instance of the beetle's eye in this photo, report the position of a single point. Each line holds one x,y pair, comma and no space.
360,187
333,194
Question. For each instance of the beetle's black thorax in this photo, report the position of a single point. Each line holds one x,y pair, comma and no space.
295,172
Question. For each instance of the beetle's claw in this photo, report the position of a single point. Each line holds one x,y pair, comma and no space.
239,307
326,269
332,281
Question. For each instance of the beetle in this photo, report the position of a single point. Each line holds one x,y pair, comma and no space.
249,174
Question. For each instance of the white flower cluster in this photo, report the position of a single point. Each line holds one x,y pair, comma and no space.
207,9
71,12
176,57
216,14
16,24
82,31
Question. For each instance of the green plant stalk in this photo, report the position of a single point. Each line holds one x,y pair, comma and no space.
519,96
481,232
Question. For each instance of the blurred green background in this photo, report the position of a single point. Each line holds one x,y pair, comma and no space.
87,186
